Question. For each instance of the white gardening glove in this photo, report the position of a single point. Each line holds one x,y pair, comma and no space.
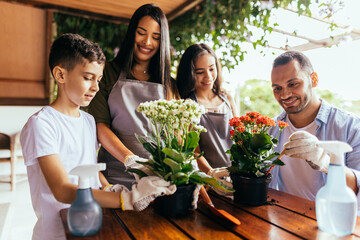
115,188
305,145
195,196
144,192
221,175
131,162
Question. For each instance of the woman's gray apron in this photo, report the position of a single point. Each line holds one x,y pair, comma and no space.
124,99
216,141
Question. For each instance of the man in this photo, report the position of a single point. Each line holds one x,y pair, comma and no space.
310,119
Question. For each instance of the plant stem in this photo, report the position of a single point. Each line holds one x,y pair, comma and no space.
158,142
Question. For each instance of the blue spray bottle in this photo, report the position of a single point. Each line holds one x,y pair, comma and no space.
336,203
85,214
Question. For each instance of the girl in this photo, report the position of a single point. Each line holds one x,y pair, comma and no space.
139,73
199,78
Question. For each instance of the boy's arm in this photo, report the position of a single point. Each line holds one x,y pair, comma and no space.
57,178
104,182
64,191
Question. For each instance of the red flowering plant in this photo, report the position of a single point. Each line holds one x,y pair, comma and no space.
252,152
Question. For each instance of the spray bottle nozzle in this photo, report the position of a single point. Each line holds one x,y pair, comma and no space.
336,150
85,172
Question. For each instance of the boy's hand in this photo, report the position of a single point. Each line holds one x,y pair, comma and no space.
144,192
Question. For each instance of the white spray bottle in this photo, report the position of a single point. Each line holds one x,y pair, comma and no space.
336,203
85,214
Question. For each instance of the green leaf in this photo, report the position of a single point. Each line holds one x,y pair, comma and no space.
187,168
175,155
275,154
260,142
202,178
192,140
175,143
175,167
180,178
278,162
137,171
147,143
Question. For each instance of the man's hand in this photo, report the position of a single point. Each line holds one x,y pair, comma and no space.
305,145
142,193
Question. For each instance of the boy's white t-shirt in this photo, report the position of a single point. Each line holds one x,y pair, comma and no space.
49,132
297,177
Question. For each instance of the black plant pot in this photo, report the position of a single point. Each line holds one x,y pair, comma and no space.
250,191
177,204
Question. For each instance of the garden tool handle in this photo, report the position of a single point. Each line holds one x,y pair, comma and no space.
205,196
279,157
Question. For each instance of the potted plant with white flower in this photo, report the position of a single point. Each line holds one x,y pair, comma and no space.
172,143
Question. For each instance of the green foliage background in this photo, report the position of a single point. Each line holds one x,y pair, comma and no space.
224,23
256,95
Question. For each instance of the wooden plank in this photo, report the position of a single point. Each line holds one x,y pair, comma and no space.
24,89
294,203
22,42
199,226
148,224
111,229
251,226
289,218
23,101
300,205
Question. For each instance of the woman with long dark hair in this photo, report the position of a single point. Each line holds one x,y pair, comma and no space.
139,73
199,78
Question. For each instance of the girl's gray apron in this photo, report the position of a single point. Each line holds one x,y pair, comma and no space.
124,99
216,141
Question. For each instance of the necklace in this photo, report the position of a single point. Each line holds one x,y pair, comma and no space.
139,71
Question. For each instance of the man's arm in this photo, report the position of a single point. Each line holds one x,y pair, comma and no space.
351,180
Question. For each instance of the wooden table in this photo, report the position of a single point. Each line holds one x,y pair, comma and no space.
284,217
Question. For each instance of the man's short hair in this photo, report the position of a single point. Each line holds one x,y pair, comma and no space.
289,56
71,49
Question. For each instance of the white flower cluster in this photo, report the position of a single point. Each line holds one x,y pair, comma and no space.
175,114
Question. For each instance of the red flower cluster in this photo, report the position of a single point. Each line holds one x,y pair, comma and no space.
282,124
253,147
253,122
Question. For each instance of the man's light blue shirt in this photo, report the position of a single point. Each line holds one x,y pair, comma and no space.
332,124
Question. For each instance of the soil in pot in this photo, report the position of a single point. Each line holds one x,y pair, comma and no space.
177,204
250,191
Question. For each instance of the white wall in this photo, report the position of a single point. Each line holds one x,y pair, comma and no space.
13,118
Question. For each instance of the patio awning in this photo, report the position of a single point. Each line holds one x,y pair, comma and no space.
111,10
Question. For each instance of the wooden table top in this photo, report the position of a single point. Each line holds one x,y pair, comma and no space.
284,217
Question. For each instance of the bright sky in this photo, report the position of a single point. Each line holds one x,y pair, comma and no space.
338,67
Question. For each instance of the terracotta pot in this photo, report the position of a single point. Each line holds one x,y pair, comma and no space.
177,204
250,191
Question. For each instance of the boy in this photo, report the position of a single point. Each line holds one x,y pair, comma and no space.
60,137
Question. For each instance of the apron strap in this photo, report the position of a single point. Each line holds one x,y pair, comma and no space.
192,96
